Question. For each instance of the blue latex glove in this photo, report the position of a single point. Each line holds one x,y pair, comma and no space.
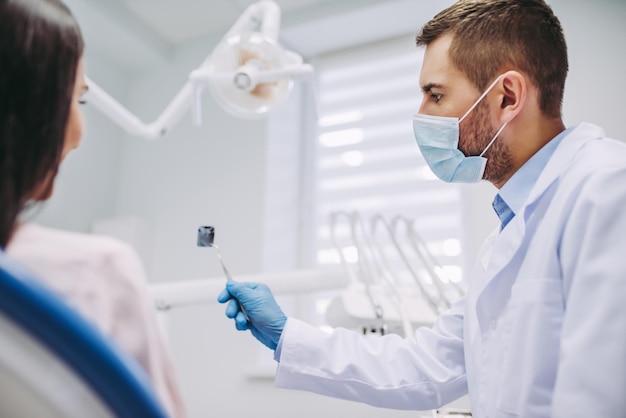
264,319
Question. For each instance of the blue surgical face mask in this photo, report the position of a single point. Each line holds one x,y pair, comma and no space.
438,139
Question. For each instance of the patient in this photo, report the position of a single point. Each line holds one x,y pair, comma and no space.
41,83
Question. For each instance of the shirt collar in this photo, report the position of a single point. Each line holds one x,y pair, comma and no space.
511,197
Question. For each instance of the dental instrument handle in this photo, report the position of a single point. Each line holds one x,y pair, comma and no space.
229,277
219,256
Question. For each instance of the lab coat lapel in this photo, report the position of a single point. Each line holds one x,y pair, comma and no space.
505,246
508,242
510,238
562,159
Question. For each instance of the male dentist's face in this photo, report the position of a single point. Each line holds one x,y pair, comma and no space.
448,92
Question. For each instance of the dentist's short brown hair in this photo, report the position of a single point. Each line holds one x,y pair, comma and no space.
492,36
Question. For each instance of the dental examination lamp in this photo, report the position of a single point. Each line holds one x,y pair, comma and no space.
248,73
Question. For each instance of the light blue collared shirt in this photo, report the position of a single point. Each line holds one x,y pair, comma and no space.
514,193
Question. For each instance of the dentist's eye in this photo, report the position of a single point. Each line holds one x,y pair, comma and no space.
436,97
82,102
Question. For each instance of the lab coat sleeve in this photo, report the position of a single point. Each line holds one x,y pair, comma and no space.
388,371
591,376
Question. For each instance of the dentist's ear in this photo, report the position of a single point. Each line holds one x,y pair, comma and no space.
514,90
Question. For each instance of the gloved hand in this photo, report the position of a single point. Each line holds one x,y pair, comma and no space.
264,319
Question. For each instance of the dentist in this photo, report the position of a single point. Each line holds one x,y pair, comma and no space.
542,329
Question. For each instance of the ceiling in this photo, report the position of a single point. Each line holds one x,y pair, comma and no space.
181,20
139,34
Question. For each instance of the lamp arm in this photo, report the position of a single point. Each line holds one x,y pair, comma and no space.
292,72
106,104
262,16
251,76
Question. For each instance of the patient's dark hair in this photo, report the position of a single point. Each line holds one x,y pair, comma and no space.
40,47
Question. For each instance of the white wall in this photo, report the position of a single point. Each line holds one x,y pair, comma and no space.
596,83
217,175
212,175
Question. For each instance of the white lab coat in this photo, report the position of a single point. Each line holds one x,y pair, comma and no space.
542,330
103,279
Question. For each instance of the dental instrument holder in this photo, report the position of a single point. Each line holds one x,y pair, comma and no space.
382,327
206,238
379,325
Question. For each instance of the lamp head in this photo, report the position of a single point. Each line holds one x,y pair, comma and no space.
235,66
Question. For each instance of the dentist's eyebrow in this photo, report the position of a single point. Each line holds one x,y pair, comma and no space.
426,88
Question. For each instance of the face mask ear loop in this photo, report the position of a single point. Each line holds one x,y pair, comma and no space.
494,139
482,96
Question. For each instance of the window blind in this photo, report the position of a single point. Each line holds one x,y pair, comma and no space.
366,158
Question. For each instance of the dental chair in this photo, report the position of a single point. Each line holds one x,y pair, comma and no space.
54,364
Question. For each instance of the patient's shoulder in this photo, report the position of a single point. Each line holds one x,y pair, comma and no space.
66,244
52,249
